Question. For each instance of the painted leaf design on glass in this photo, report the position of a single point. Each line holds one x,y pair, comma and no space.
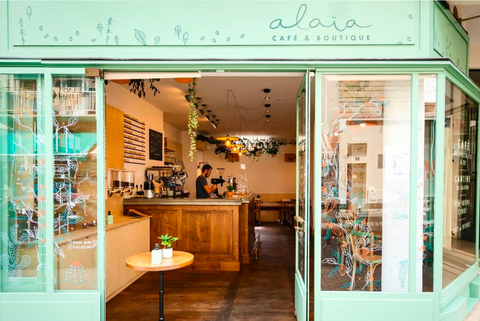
59,250
333,272
72,121
185,38
141,37
178,31
29,12
157,40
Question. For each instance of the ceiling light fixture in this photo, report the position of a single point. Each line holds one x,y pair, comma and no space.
268,107
266,91
227,138
268,117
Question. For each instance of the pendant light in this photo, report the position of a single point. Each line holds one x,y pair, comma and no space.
228,140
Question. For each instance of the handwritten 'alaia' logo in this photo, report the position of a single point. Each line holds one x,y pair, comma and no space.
314,23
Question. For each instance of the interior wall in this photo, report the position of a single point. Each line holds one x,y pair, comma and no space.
121,98
173,133
270,175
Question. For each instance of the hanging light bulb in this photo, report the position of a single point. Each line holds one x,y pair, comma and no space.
227,142
240,153
268,117
266,91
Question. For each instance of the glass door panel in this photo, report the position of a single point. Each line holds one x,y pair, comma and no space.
22,184
461,123
75,182
365,173
302,218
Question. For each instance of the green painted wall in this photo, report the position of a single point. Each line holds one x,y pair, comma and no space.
217,29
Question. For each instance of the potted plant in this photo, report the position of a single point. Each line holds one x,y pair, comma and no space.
167,241
230,191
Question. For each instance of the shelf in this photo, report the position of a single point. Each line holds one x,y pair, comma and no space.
168,150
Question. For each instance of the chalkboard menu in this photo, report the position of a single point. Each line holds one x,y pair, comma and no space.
156,145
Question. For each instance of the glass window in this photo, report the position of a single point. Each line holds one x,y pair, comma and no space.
365,182
461,118
427,100
75,183
22,183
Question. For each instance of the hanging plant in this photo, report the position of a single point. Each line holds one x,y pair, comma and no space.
192,118
211,140
138,86
222,149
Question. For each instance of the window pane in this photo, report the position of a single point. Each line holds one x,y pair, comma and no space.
426,173
365,182
461,117
75,183
22,183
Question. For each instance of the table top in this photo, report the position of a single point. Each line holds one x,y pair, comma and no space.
143,262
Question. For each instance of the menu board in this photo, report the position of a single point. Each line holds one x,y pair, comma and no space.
156,145
133,140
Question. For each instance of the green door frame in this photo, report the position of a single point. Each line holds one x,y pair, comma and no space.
302,220
62,303
432,302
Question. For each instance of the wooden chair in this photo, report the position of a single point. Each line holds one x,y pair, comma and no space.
287,209
257,211
362,245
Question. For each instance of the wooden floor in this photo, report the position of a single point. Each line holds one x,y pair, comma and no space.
263,290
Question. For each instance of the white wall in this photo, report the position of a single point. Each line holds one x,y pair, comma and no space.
121,98
268,175
172,133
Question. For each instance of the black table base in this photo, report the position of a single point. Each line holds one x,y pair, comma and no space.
161,318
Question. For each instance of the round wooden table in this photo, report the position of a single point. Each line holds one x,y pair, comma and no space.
143,262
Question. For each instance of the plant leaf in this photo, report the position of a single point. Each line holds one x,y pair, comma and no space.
141,37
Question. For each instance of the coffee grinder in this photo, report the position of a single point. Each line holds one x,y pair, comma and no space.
219,180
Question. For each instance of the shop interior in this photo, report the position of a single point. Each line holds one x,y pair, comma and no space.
259,109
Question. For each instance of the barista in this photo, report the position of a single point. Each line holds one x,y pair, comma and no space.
203,190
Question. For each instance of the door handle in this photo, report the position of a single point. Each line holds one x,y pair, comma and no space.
299,222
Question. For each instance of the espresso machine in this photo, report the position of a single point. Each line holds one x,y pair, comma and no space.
219,180
173,179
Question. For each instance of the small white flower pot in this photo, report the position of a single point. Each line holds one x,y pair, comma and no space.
167,253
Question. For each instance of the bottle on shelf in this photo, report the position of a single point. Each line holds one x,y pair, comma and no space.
109,218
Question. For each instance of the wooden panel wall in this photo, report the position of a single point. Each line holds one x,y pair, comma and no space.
113,154
210,233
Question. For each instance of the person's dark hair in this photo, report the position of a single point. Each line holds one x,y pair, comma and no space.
206,167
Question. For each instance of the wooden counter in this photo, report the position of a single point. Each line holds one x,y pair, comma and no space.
218,232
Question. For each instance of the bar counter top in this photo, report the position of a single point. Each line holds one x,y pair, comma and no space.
190,201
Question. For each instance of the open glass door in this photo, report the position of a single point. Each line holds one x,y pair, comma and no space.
302,217
52,248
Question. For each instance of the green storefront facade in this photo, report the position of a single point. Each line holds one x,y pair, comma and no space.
399,69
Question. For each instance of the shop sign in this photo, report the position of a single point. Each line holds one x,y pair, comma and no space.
212,23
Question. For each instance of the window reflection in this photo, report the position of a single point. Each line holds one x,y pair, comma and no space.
365,182
461,118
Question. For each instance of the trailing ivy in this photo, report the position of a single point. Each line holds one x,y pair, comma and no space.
192,118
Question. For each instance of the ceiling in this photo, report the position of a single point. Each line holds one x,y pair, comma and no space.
246,98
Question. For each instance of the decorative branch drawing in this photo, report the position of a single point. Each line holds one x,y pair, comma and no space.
185,38
117,40
22,31
11,261
109,27
156,40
